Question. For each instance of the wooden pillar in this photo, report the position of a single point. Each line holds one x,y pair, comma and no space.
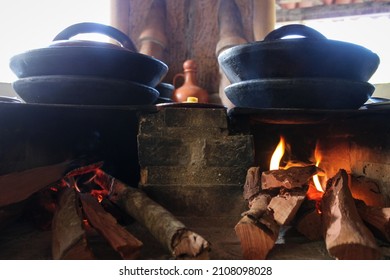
191,33
120,14
264,17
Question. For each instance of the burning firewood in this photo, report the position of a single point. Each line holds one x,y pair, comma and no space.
376,217
18,186
169,231
257,229
286,204
308,220
119,238
293,177
69,236
367,190
252,183
345,234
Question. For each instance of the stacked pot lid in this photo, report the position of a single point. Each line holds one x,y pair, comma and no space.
309,72
87,72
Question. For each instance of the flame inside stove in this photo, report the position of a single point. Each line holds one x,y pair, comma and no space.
316,179
278,154
315,191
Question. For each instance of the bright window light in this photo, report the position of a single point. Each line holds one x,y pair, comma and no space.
367,31
27,24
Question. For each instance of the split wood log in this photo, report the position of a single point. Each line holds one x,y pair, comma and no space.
293,177
286,204
69,236
10,213
376,217
166,228
308,220
18,186
257,229
258,206
346,236
252,184
118,237
367,190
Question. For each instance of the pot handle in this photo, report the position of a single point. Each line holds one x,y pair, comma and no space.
178,75
92,27
294,29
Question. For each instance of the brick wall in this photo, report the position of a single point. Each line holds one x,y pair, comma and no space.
191,162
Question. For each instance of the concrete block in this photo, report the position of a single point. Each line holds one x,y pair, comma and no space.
223,200
163,151
234,151
179,175
196,117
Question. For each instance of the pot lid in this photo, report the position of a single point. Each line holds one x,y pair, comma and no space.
62,39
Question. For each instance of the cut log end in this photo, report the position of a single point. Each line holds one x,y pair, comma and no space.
190,245
354,252
345,234
311,226
256,242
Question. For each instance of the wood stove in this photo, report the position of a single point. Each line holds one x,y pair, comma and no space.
347,141
125,139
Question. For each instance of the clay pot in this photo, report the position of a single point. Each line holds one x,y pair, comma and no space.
190,87
313,56
89,58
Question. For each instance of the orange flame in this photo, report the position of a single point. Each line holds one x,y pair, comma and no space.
277,155
316,179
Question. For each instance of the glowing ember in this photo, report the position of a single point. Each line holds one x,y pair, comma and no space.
277,155
99,194
313,193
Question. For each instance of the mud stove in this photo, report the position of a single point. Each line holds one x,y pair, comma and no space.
204,168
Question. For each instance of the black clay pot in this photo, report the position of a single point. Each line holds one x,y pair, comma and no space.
89,58
83,90
313,56
305,93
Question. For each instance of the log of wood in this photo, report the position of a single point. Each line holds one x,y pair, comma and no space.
252,184
167,229
10,213
293,177
18,186
308,220
257,229
286,204
258,206
367,190
118,237
69,237
346,236
377,218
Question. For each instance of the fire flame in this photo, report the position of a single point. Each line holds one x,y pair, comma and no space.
315,190
277,155
316,180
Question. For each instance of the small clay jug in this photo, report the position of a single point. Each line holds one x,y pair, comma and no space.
190,86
